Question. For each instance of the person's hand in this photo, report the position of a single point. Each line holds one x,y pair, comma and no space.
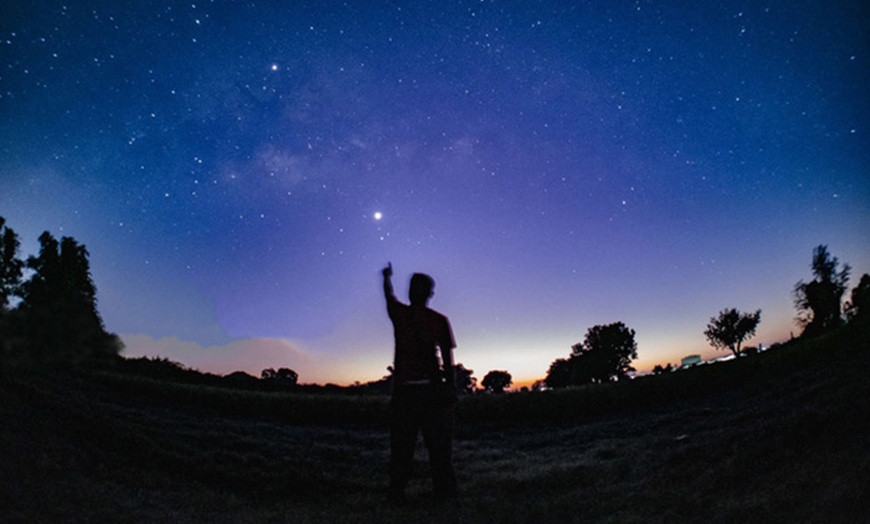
388,271
449,396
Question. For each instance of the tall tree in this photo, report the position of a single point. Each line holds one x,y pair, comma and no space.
497,381
465,381
858,308
560,374
10,286
10,266
731,328
59,304
605,354
819,301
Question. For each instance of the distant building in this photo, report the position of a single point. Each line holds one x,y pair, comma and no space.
691,360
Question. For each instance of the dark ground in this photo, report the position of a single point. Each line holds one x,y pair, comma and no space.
778,437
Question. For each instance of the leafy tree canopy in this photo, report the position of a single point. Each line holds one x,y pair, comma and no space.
605,354
56,318
465,381
282,376
10,265
819,301
497,381
731,328
858,308
608,350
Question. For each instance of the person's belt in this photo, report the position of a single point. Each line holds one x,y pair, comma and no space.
415,383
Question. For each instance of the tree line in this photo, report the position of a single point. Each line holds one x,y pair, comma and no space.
48,313
48,305
607,351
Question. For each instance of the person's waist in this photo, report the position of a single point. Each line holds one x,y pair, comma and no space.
420,382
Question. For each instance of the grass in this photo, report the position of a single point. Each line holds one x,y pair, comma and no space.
776,437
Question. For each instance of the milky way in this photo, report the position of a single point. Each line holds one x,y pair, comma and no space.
240,172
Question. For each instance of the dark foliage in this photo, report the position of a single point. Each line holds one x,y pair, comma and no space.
497,381
561,374
608,351
731,328
56,319
283,378
604,355
59,305
242,380
10,280
10,266
165,370
465,381
819,301
659,369
858,308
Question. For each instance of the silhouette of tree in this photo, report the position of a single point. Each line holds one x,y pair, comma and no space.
605,354
497,381
59,304
659,370
10,266
10,286
465,382
240,379
560,374
858,308
587,366
819,302
161,368
731,328
283,377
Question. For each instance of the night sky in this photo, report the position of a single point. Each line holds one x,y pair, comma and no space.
240,172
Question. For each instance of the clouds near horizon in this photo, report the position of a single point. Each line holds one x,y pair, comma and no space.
249,355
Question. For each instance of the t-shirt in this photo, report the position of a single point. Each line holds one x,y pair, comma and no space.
419,332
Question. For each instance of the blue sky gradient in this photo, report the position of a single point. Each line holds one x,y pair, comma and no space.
552,166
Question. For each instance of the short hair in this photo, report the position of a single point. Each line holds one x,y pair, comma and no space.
421,288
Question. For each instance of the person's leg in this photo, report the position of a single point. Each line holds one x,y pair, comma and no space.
438,436
403,435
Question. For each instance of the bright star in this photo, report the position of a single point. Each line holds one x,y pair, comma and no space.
378,215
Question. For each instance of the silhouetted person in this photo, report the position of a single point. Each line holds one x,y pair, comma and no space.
424,390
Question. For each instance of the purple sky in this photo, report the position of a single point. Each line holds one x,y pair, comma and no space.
552,167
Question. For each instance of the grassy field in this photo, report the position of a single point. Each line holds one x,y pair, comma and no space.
777,437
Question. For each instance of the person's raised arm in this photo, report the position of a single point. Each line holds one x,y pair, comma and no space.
388,284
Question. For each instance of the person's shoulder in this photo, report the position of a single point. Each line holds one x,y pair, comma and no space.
436,314
396,303
394,307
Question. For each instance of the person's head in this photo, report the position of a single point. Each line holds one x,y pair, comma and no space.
421,289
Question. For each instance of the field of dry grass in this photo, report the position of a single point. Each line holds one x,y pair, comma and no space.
776,437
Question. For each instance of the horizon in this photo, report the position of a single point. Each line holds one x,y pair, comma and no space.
241,173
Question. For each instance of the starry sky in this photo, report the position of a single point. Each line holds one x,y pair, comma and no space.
241,171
